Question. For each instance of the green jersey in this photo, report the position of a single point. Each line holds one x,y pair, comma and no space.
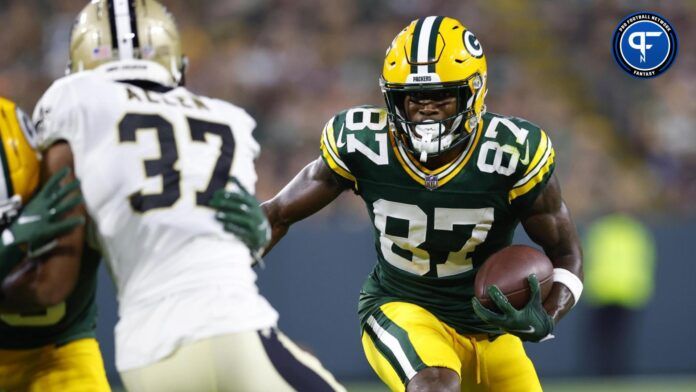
434,228
70,320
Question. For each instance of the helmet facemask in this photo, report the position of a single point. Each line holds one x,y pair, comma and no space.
431,138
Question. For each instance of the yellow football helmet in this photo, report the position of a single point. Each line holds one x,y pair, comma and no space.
435,55
128,30
19,159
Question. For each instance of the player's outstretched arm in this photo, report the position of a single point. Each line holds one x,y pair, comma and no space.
548,223
312,189
47,279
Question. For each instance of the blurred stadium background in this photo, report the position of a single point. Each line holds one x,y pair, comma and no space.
623,144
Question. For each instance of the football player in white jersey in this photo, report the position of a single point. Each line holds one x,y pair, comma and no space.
150,154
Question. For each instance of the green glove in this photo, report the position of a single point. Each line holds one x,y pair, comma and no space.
40,223
531,323
241,214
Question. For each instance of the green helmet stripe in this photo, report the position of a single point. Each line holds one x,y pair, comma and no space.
432,43
414,45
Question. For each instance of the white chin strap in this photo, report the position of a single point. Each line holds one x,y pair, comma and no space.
426,138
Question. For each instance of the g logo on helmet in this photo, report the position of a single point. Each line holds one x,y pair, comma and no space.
472,44
645,44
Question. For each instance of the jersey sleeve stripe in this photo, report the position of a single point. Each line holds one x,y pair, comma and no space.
536,179
327,141
330,143
330,153
334,165
331,138
539,152
535,169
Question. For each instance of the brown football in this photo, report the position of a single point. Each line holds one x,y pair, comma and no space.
508,269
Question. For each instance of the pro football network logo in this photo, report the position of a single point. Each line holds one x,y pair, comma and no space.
645,44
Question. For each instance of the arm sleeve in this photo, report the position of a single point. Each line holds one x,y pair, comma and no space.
532,178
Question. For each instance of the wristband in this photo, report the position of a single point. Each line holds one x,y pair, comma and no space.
569,280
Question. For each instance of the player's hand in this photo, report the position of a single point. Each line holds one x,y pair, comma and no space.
241,214
531,323
40,223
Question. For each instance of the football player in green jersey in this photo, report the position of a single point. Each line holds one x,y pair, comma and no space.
47,309
445,183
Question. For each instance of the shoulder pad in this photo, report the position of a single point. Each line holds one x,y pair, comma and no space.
508,130
363,118
355,128
55,117
360,124
532,158
536,162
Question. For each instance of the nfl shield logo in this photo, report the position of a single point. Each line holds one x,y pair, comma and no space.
431,182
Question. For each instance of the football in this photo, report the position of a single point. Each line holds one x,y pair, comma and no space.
508,269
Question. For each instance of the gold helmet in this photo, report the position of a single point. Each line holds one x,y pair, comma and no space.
128,30
19,176
438,56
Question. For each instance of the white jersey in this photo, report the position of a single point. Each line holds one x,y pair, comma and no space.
148,163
